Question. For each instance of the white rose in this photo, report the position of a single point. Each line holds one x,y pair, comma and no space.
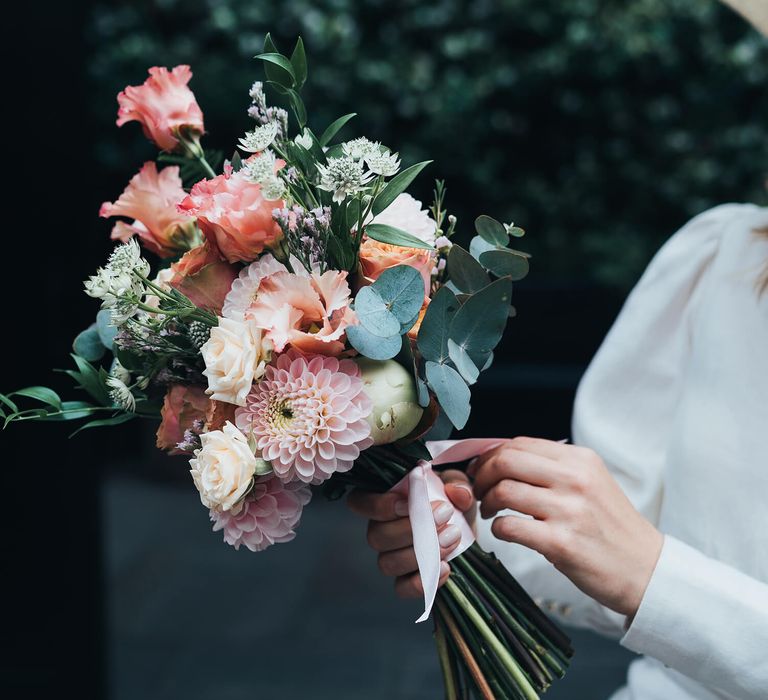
235,355
406,214
396,411
223,468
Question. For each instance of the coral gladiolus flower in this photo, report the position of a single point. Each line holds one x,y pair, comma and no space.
310,312
203,277
151,199
183,405
165,107
233,214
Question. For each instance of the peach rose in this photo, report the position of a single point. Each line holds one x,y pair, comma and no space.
203,277
376,257
414,332
308,312
165,107
151,199
183,405
234,215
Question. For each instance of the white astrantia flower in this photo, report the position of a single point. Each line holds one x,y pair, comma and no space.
259,168
304,140
120,394
119,284
343,176
117,370
406,214
386,163
260,138
359,148
272,188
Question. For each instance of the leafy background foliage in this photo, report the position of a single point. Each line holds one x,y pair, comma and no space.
600,126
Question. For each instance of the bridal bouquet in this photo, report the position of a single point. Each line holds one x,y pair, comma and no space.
306,324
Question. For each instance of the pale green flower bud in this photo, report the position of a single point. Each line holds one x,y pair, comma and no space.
391,388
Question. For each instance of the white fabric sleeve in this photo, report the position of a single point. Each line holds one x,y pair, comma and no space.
625,403
706,620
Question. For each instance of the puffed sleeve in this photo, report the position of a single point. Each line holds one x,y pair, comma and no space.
625,402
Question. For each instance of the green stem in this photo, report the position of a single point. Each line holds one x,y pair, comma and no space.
493,641
443,653
206,166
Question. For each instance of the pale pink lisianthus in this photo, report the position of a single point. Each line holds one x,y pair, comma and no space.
164,106
182,406
309,312
308,416
151,199
245,288
234,215
269,514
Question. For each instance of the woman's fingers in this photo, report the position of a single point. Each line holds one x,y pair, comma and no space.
384,536
509,463
377,506
530,533
519,496
409,586
458,489
403,561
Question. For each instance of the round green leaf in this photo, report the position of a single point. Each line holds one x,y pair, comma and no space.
451,391
107,331
88,344
374,313
465,272
505,263
433,333
371,345
491,230
402,290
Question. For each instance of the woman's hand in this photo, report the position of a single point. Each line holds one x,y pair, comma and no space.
389,529
581,520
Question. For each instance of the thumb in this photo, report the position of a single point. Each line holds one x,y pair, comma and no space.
458,489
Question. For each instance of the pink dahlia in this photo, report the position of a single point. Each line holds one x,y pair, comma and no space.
308,415
269,514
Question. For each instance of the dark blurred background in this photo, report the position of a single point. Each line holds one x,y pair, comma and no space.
599,126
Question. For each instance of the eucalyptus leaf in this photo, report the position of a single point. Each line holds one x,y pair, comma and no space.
335,127
299,63
422,392
372,345
465,272
396,186
88,344
478,246
40,393
384,233
479,324
491,230
402,290
374,314
505,263
451,391
463,362
433,333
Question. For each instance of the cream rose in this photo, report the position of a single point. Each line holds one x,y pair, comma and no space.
223,468
235,355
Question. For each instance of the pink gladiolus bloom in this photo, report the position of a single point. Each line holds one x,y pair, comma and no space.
203,277
308,312
151,199
165,107
308,415
183,405
269,514
234,215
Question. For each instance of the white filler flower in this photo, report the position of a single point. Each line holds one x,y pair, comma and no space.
260,138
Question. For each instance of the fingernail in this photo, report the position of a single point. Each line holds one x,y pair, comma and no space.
450,536
445,568
443,513
463,487
401,508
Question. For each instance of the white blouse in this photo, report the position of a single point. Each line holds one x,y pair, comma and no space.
675,403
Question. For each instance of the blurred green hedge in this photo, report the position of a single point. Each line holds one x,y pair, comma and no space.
599,126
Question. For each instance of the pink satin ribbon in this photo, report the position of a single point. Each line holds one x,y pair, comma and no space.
421,486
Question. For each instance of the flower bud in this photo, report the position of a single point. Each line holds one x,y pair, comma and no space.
396,411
